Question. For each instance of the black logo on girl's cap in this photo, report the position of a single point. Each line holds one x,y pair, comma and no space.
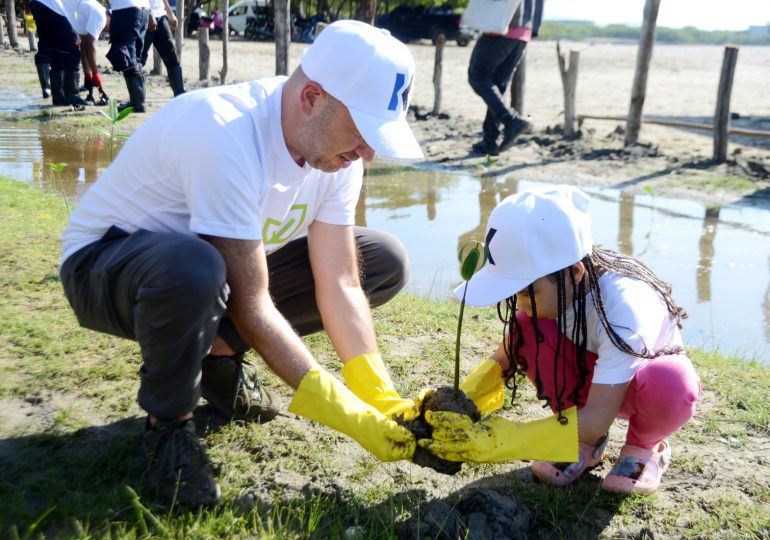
490,234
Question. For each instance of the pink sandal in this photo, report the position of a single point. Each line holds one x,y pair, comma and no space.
562,474
638,470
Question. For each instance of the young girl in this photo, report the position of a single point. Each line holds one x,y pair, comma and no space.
589,327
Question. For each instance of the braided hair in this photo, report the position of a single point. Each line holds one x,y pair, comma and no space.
596,263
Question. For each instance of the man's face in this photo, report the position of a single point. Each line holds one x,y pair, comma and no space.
333,141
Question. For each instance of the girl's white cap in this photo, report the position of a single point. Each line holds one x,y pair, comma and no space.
530,235
372,74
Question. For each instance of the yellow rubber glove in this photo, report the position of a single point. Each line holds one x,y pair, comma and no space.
484,385
323,398
367,378
457,438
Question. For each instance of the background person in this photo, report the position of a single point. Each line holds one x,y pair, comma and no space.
590,328
493,61
199,259
160,34
90,22
128,24
58,44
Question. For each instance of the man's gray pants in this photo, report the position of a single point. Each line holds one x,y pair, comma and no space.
168,292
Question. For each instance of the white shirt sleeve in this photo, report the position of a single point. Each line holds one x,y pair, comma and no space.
640,317
339,205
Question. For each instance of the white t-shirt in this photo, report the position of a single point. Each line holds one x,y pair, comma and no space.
214,162
85,16
639,315
157,8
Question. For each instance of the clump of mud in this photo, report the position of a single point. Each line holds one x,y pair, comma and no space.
475,514
443,399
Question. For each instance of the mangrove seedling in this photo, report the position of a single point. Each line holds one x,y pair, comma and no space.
115,117
56,169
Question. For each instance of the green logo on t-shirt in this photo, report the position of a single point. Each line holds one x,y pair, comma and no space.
278,232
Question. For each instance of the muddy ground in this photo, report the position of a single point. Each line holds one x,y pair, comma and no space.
704,475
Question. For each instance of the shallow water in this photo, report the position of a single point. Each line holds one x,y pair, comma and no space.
718,261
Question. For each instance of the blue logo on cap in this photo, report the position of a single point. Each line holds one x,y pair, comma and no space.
400,80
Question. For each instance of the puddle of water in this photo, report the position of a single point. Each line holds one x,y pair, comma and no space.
28,149
718,261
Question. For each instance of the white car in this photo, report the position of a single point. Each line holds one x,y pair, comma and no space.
240,12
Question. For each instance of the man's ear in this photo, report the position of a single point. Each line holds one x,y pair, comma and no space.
310,97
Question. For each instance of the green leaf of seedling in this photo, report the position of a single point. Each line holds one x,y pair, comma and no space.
107,116
105,132
121,136
58,167
649,190
470,263
122,114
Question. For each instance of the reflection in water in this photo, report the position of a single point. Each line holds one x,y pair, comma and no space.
706,249
626,224
28,150
490,194
675,236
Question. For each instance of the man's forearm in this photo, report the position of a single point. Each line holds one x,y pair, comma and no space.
88,47
347,320
271,335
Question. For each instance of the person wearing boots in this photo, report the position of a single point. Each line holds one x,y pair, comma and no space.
493,62
160,34
59,44
128,24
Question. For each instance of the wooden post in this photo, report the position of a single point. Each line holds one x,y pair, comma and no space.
722,113
32,41
225,40
157,63
569,84
2,34
638,91
10,16
282,36
437,66
180,26
517,84
204,53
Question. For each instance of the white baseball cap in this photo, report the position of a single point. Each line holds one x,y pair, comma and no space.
530,235
372,74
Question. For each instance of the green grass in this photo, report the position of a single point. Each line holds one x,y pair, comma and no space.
70,464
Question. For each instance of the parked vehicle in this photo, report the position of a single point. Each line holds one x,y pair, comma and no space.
239,13
419,22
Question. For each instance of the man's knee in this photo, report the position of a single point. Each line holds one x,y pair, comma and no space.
197,273
385,263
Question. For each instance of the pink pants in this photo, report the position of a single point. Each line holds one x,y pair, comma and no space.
659,400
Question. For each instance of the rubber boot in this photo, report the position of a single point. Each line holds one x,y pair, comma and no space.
71,90
135,85
57,88
44,75
176,80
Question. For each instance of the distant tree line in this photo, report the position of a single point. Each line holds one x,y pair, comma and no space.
579,31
